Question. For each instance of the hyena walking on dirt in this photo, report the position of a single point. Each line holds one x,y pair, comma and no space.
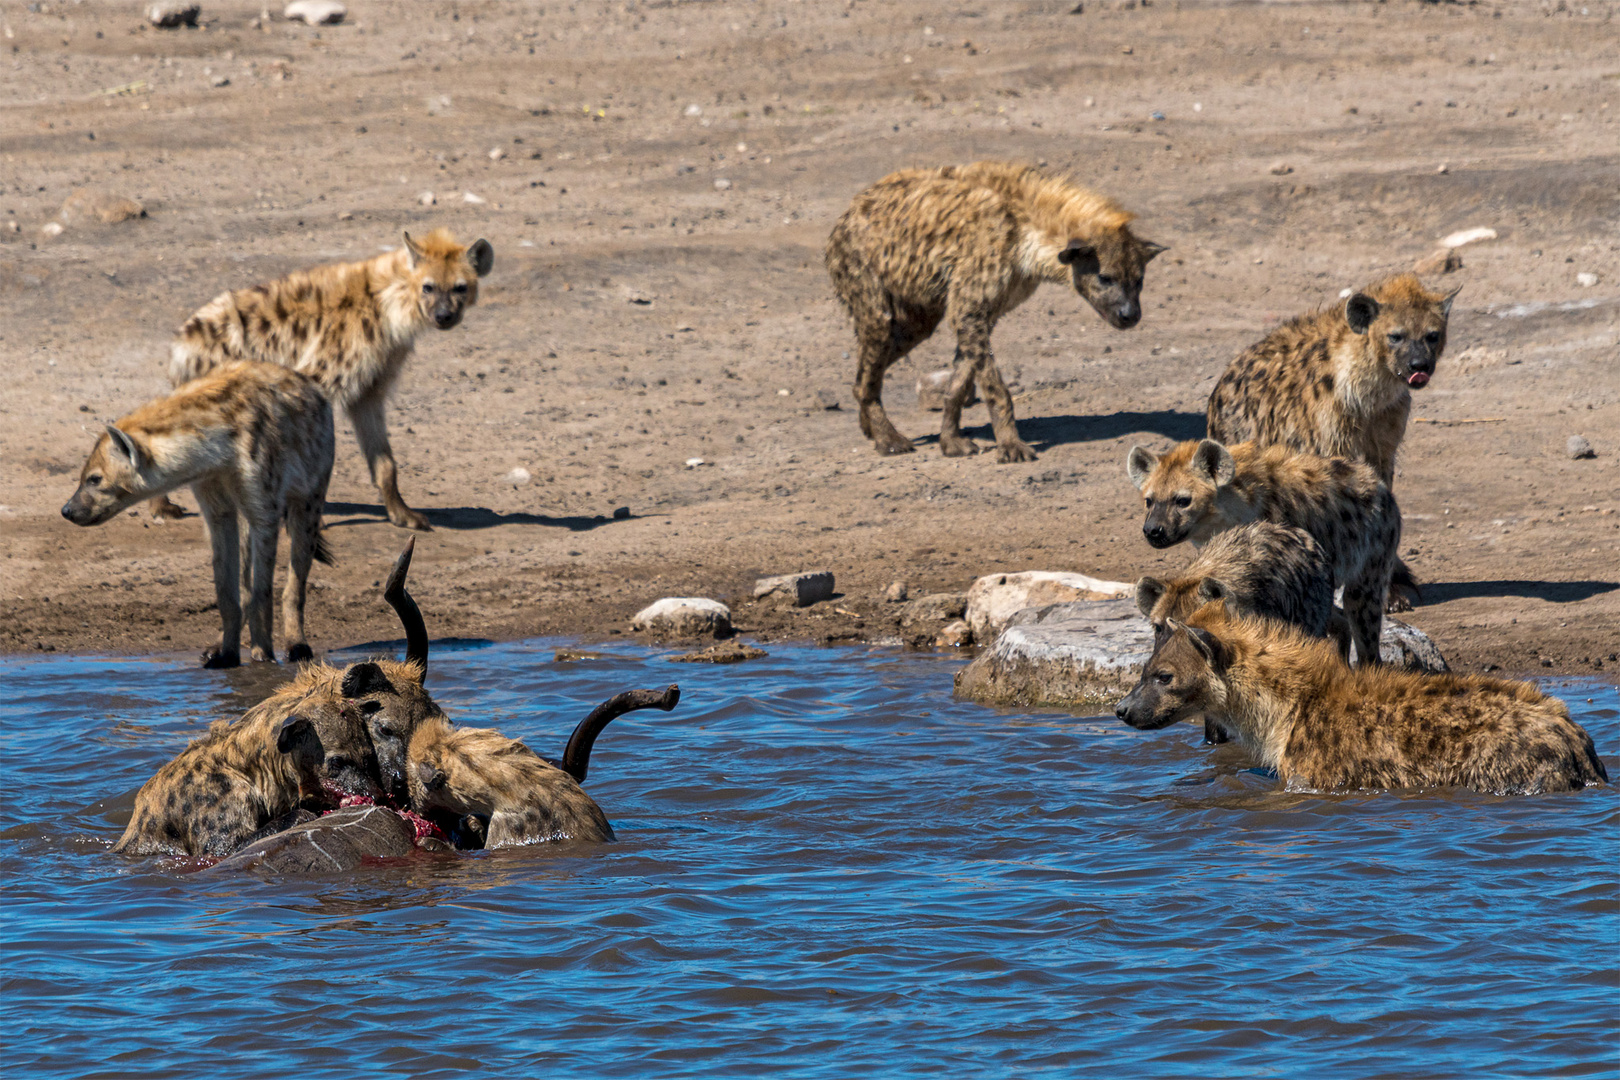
969,244
1338,382
1200,489
250,439
348,326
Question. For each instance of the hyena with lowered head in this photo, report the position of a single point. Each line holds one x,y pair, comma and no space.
970,243
1294,705
253,440
348,326
1200,489
1338,382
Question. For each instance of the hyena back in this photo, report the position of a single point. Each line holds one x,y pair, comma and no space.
970,243
348,326
253,440
1200,489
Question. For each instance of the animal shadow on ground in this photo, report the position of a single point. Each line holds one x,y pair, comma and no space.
1555,592
1050,431
470,517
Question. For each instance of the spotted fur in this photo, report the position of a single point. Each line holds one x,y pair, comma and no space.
970,243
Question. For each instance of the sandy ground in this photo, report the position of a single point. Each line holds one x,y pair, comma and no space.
641,312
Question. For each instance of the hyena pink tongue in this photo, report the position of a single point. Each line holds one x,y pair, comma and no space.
1417,379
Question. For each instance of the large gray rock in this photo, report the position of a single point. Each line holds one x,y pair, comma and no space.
798,590
336,843
992,600
1085,653
684,617
1403,645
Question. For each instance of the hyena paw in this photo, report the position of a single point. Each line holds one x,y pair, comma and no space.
1397,602
262,656
299,653
899,444
406,518
957,446
218,656
1015,451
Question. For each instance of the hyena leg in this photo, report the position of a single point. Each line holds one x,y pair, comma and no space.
881,340
303,534
972,360
262,537
371,428
1364,611
1009,447
1403,589
219,512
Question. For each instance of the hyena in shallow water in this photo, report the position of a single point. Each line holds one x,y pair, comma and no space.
970,243
253,440
348,326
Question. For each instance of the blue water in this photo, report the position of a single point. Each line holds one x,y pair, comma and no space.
826,868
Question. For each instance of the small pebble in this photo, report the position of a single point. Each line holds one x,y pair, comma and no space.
1577,448
1155,115
722,184
1282,168
1443,169
897,592
473,200
518,477
496,154
694,462
621,514
426,198
1586,280
52,228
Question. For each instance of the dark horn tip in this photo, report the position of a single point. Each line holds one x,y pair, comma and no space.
395,585
672,697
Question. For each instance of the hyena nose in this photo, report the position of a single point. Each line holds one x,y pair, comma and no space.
1155,534
1122,709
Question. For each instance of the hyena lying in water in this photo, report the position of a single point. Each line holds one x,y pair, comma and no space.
1338,382
971,243
348,326
1200,489
250,439
525,798
1294,705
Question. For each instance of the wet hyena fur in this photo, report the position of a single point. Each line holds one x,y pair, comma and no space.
348,326
302,747
254,441
1200,489
1294,705
1338,382
969,244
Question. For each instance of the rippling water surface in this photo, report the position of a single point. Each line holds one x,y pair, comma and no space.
826,867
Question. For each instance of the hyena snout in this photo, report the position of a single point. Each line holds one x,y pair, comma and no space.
85,509
1161,531
1119,306
1140,709
447,314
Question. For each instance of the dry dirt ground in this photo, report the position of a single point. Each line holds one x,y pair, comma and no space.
641,312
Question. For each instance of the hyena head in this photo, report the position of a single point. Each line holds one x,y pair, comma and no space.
348,765
1181,680
1108,271
392,701
1160,602
431,766
445,275
1404,324
111,480
1181,489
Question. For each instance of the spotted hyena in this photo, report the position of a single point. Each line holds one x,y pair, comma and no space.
348,326
1200,489
253,440
1295,706
304,746
1338,382
969,244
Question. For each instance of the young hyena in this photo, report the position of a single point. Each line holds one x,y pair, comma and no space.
1292,703
1338,382
970,243
1200,489
250,439
304,746
348,326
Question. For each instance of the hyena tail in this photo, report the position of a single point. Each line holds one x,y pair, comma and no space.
577,758
323,551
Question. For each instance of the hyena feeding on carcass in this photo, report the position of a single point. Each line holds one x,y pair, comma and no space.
1339,382
348,326
969,244
253,440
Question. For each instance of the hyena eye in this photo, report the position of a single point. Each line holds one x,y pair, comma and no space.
93,480
1396,337
1184,501
369,707
461,287
427,286
1163,678
1148,501
1432,337
1106,280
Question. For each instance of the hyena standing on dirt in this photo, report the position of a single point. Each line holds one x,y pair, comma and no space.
1200,489
969,244
1338,382
250,439
348,326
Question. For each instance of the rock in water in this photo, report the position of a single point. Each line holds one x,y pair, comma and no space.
799,590
684,616
724,653
995,598
1085,653
336,843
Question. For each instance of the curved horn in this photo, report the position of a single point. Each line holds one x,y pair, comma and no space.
577,758
410,616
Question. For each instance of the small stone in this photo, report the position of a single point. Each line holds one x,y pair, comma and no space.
1126,49
1281,168
426,198
473,200
1468,236
933,387
1586,280
828,400
1577,448
954,635
694,462
1443,169
684,616
569,656
694,110
897,592
1155,115
636,296
621,514
52,228
497,154
170,15
345,215
315,12
1441,261
87,206
730,652
14,226
517,477
933,608
219,81
799,590
722,184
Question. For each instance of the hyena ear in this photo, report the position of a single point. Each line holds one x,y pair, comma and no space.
482,256
1445,305
1215,462
1208,646
1081,256
1139,465
127,447
1148,591
1150,249
365,679
293,730
413,249
1360,311
1212,589
432,779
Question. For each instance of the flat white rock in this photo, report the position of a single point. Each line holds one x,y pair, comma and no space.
994,598
315,12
